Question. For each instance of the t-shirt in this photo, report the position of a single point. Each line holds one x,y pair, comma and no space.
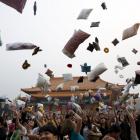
2,133
76,136
85,133
16,135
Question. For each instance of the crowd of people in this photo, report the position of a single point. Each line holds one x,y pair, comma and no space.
32,123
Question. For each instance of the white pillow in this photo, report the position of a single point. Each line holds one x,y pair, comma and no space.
119,67
99,69
131,31
56,101
39,105
72,98
43,83
67,77
74,88
76,107
20,46
84,13
60,87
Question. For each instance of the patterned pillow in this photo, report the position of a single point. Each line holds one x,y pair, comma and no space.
20,46
84,13
73,43
131,31
16,4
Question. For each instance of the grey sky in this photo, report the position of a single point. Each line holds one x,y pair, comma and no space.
52,27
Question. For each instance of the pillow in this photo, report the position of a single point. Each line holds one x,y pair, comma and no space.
73,43
99,69
95,24
119,67
67,77
80,80
20,46
137,78
131,31
49,73
76,107
123,61
48,97
127,87
74,88
35,8
39,105
115,41
84,13
138,63
56,102
60,87
135,51
72,98
43,83
85,68
103,5
16,4
0,41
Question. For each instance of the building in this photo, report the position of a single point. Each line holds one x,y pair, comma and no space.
64,95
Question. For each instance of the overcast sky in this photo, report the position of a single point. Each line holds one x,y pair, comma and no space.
52,27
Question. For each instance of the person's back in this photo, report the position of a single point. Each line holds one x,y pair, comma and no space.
138,126
125,131
3,133
3,130
113,133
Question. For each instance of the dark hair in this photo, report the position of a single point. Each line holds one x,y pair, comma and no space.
14,120
97,109
1,120
50,128
67,116
114,128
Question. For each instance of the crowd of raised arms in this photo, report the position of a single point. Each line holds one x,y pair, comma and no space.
37,124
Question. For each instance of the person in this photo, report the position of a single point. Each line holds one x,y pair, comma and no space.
94,133
113,133
48,132
133,125
125,129
3,131
138,126
75,121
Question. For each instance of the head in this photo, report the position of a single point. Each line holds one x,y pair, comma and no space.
48,132
114,131
102,121
94,136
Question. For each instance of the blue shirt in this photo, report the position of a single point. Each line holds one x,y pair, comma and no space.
76,136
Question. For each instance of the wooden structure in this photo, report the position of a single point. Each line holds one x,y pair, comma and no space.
66,93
